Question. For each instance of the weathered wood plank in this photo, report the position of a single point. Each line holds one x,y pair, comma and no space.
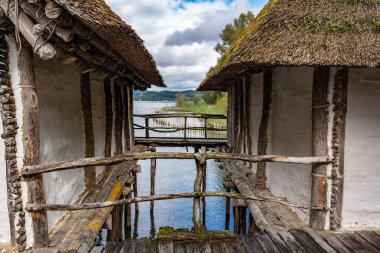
165,246
320,119
334,242
276,239
355,243
370,237
180,247
319,240
306,241
266,243
126,246
291,242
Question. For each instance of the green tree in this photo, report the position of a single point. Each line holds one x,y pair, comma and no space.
181,100
210,97
233,31
197,100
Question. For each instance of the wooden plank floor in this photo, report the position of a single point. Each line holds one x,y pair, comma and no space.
180,142
296,240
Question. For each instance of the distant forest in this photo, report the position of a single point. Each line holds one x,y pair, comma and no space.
165,95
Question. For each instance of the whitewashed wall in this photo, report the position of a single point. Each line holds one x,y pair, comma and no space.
361,202
62,137
290,134
98,116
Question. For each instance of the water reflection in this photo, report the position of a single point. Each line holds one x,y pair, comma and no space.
173,176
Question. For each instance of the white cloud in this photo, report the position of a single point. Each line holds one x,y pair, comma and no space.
190,30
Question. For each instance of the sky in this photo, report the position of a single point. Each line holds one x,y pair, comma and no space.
181,34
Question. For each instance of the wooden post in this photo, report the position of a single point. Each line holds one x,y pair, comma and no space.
262,146
31,141
338,142
89,138
131,120
115,234
152,179
147,127
128,216
197,200
228,207
185,129
127,129
204,186
320,118
243,219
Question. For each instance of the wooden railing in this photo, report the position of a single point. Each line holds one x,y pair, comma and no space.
199,193
185,128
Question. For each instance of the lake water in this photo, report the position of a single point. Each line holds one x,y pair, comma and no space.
174,176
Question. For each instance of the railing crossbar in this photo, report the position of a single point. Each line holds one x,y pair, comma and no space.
96,205
104,161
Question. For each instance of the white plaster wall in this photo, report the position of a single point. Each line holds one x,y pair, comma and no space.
58,89
98,116
256,107
361,202
290,134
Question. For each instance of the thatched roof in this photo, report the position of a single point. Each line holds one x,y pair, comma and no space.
305,32
98,16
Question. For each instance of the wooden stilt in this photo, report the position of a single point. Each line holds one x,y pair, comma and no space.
236,220
128,216
204,186
197,200
320,119
135,191
152,180
131,126
89,138
243,220
251,226
31,141
228,207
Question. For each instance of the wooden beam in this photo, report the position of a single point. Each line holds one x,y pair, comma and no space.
97,205
262,145
44,50
89,137
31,141
320,120
102,161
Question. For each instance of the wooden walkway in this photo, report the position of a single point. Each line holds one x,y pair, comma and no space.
296,240
180,142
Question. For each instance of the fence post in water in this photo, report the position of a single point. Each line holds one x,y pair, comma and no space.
200,161
185,128
152,179
147,127
203,151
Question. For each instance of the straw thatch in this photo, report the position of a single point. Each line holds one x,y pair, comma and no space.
304,32
98,16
